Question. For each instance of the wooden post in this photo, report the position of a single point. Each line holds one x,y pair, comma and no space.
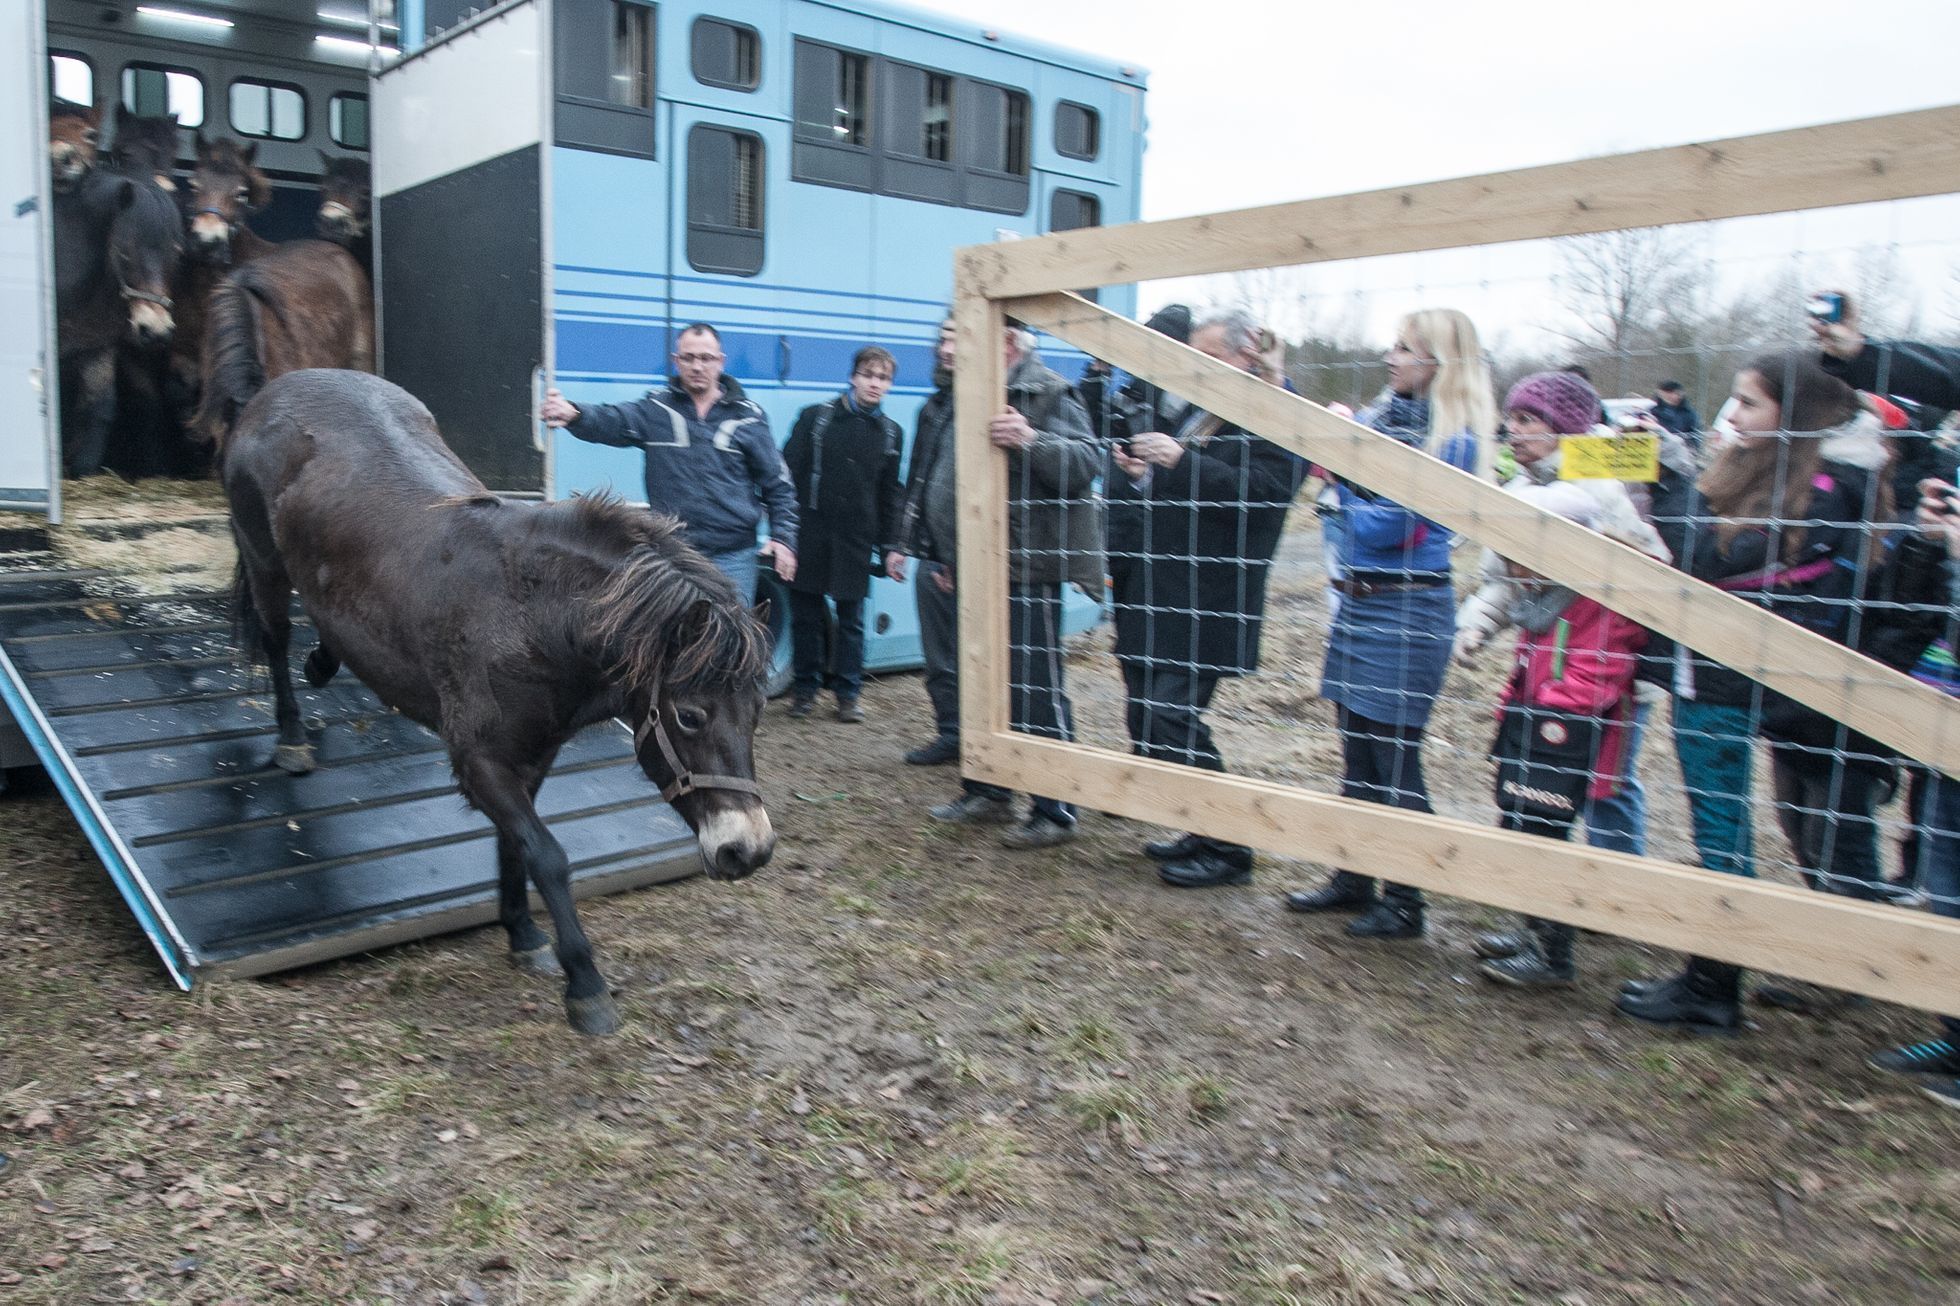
981,574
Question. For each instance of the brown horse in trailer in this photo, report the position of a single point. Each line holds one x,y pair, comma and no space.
305,304
505,627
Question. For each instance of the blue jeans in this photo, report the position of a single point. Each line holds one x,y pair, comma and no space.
818,660
739,566
1619,823
1939,856
1717,750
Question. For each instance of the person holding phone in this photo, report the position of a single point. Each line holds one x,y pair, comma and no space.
1924,373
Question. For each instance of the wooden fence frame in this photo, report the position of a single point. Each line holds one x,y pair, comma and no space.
1903,956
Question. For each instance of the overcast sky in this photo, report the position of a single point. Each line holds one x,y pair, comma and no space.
1255,103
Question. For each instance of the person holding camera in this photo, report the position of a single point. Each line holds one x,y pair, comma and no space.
1202,512
1910,369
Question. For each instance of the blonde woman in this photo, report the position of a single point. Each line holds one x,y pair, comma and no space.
1391,636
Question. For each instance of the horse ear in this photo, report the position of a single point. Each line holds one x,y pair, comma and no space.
95,114
762,612
326,161
250,153
203,146
126,194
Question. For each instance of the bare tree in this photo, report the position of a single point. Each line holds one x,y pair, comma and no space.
1636,300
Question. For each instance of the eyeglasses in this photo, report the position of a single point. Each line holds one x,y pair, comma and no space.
699,360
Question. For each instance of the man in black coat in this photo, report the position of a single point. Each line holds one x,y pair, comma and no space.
843,457
1673,411
1208,505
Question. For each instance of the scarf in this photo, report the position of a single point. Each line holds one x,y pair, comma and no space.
1404,418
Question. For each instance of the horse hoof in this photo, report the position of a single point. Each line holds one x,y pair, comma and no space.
593,1015
319,669
293,759
537,961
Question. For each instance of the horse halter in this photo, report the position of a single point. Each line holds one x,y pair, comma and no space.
685,781
130,292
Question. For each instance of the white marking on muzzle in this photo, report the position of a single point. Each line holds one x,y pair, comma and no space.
210,229
153,320
746,828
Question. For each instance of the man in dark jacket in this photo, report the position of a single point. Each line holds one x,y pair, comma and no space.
843,457
1054,537
710,459
1923,373
1210,503
1673,411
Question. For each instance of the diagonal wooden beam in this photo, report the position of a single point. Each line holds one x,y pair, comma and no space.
1900,156
1916,719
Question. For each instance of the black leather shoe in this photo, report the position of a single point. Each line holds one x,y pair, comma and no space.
940,751
1387,920
1208,868
1345,892
1496,947
801,706
1646,986
1173,850
1705,999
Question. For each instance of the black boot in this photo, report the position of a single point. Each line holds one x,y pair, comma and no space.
1640,988
1544,962
1497,946
1173,850
1345,892
1707,1000
1397,916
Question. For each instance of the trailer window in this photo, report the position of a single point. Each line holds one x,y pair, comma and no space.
71,78
152,90
727,54
1070,210
833,117
270,110
1078,131
724,200
603,54
631,80
993,131
347,120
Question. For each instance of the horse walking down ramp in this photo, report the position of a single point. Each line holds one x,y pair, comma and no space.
505,627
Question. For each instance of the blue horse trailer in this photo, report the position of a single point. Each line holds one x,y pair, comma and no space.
564,184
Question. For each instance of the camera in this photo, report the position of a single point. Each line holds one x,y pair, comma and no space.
1827,307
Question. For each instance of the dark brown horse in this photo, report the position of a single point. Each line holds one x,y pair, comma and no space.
305,304
505,627
346,203
146,147
224,189
118,241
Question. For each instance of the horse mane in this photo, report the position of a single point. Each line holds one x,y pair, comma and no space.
667,614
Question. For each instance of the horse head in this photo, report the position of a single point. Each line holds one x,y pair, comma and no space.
692,657
146,146
346,196
146,242
74,136
226,186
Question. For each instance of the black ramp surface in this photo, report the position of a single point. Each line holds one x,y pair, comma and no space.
162,745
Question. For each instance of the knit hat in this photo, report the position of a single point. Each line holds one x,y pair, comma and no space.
1566,403
1562,499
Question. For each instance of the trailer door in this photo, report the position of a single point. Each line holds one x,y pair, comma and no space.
28,406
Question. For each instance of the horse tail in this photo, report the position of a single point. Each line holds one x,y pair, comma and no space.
234,356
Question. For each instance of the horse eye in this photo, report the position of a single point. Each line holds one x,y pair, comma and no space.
690,720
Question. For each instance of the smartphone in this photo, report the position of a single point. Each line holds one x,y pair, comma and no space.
1826,307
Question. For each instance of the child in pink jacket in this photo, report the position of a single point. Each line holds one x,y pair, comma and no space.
1562,723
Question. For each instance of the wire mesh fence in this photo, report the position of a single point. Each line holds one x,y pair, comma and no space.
1616,536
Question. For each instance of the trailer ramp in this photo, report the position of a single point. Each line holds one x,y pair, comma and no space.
161,743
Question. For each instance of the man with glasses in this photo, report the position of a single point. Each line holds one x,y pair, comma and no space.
843,457
710,459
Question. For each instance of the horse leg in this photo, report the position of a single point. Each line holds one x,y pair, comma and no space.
95,413
321,664
530,947
264,596
501,794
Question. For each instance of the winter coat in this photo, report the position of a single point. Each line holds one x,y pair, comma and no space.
716,473
1926,374
1204,535
1573,683
1489,610
1054,518
844,464
1679,418
1384,538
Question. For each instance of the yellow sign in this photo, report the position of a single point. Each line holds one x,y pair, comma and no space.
1610,458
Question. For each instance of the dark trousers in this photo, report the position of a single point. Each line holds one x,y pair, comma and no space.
813,648
1037,702
1168,704
1382,763
1825,809
939,643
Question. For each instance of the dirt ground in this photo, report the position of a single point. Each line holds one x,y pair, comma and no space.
901,1065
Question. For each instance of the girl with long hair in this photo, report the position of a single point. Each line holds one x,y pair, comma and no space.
1390,639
